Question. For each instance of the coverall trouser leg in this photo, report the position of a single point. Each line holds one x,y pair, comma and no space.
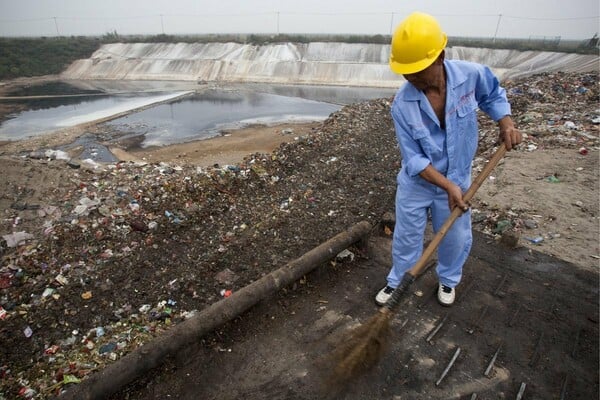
412,207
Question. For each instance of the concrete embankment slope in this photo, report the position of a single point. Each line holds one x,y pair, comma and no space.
299,63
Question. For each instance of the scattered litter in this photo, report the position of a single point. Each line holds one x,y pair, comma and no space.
28,332
345,255
57,155
144,233
51,350
145,308
61,279
107,348
86,205
502,226
14,239
535,240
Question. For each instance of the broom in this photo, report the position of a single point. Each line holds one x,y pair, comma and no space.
365,344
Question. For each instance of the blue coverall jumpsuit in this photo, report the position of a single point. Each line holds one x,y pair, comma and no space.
450,151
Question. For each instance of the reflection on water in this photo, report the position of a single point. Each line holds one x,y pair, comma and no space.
38,122
206,114
331,94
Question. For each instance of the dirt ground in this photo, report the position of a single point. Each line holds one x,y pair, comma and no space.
119,253
546,337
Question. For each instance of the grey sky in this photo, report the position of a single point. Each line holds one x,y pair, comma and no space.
574,19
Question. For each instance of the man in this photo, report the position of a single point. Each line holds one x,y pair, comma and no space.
435,116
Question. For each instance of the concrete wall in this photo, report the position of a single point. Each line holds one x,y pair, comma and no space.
293,63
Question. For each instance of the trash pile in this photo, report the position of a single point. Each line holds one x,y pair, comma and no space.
551,110
108,256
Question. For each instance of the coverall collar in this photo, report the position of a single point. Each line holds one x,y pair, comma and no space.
454,78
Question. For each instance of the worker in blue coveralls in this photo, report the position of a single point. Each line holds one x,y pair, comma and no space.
435,117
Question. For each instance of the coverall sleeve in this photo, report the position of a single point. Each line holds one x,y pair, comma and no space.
413,157
491,97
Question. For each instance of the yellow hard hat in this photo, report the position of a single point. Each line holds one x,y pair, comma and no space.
416,43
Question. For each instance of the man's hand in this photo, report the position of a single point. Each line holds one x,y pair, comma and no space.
508,133
455,194
455,198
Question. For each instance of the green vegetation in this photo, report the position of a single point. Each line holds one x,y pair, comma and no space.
22,57
42,56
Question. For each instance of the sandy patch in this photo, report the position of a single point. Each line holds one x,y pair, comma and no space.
229,148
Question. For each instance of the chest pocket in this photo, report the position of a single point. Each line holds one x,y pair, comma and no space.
428,145
467,133
467,116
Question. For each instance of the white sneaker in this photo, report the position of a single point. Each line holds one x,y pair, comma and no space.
446,295
384,295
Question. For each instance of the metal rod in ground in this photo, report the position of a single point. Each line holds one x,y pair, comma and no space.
576,343
513,319
488,370
450,364
563,389
536,352
475,324
436,329
500,285
553,304
521,391
403,324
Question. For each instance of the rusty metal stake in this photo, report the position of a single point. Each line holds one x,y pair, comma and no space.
521,391
436,329
454,357
475,324
563,390
500,285
514,317
536,352
488,370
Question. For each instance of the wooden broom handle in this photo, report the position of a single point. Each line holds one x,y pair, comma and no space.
457,212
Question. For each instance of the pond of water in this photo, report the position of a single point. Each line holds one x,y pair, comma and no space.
174,116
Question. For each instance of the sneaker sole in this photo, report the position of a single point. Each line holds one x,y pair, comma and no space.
444,304
380,304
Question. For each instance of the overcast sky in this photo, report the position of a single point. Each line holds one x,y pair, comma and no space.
569,19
